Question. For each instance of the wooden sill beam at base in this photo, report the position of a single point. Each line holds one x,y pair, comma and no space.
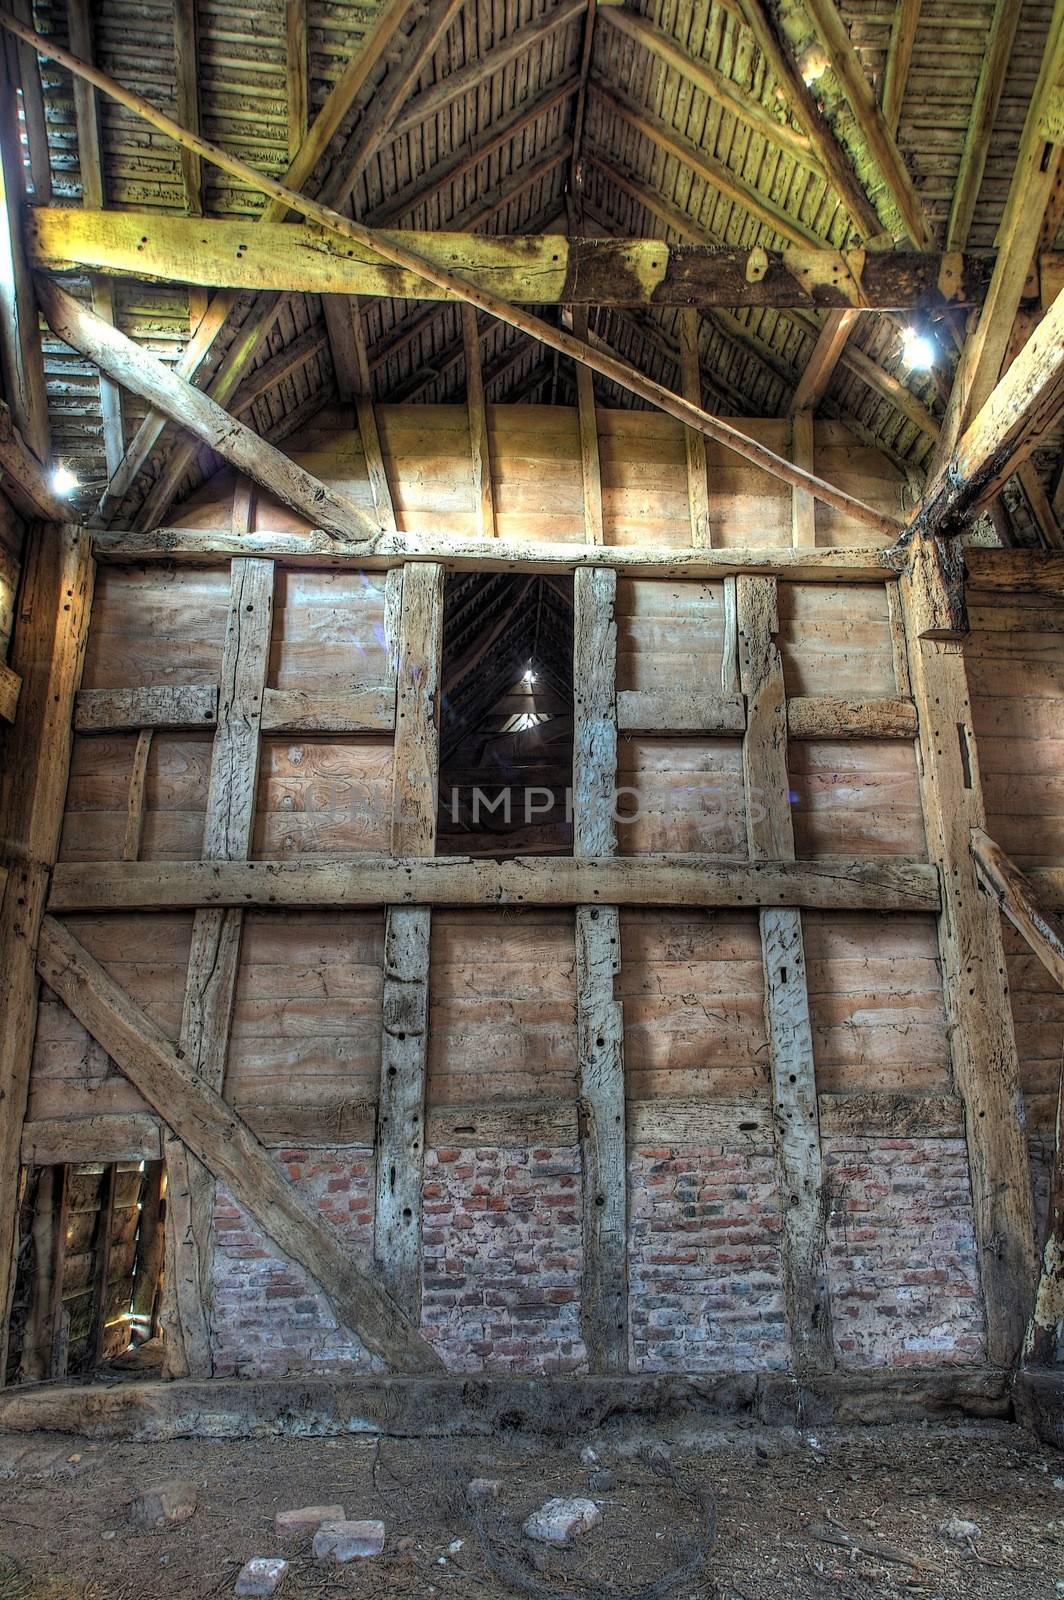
210,1128
842,883
610,367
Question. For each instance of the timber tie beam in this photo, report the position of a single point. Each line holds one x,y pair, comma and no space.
608,366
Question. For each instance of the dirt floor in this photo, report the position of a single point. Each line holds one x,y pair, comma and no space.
842,1513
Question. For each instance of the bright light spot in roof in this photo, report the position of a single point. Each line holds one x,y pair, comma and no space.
814,64
919,350
64,481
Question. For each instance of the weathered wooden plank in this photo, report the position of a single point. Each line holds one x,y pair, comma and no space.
875,884
479,444
535,269
50,1140
48,652
135,801
1018,899
822,717
595,712
136,369
590,460
601,1125
417,734
318,549
599,1016
369,708
206,1125
666,711
803,506
156,706
694,443
23,477
10,689
981,1039
214,954
400,1133
786,995
491,1122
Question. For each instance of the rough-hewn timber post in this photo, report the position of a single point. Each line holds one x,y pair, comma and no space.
794,1100
981,1039
214,956
600,1021
397,1216
48,650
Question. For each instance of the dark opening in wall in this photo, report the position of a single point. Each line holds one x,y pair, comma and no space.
506,715
89,1270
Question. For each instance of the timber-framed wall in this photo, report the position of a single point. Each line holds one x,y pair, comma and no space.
691,1088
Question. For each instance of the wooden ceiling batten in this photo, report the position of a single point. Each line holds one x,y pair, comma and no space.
564,343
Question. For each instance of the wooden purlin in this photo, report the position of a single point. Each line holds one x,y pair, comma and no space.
609,367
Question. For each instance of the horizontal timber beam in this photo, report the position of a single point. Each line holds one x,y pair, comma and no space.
830,883
192,705
218,546
532,269
608,366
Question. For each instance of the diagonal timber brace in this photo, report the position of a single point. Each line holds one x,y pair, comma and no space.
209,1127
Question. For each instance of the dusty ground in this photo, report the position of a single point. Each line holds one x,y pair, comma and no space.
784,1505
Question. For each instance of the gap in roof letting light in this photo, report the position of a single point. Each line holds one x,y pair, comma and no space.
64,481
919,350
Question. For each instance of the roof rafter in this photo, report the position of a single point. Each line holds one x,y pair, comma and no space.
564,343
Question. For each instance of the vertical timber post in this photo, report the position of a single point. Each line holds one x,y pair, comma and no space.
400,1141
214,957
600,1019
51,626
972,956
694,442
796,1118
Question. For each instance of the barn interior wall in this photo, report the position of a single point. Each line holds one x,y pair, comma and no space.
503,1270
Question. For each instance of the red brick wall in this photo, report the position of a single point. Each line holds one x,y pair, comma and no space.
266,1318
706,1287
502,1259
901,1252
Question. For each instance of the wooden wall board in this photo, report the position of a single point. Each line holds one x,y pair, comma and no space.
318,796
692,988
856,794
670,635
875,1001
175,797
328,631
687,794
305,1041
502,1008
538,479
1015,659
836,642
154,626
